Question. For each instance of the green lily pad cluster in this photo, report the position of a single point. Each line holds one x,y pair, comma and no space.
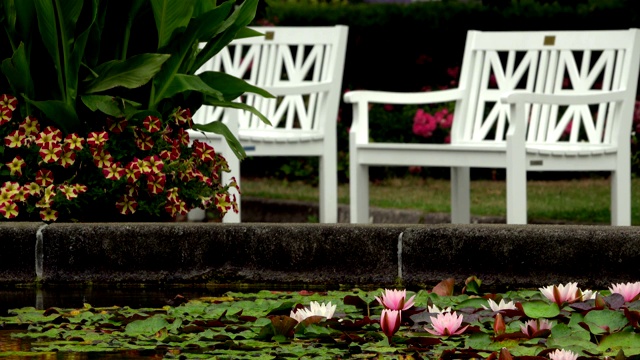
258,326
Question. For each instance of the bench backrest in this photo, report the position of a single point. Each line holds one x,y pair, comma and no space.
303,66
547,62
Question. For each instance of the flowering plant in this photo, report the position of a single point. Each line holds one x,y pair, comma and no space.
98,98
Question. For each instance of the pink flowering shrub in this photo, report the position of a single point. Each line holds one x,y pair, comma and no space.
137,166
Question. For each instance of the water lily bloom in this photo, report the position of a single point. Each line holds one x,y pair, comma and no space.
562,354
390,321
629,291
446,324
395,299
315,309
531,327
500,306
561,294
435,310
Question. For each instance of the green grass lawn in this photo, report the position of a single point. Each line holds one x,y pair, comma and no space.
585,200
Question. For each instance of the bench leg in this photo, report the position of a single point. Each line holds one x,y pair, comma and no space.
621,196
358,187
460,195
328,172
234,165
517,194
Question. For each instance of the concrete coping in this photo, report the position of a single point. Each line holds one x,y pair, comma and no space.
504,256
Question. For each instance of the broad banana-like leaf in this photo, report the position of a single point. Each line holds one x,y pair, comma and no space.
136,5
182,83
74,62
230,86
237,105
205,24
61,113
57,21
112,106
247,33
16,70
169,16
131,73
239,19
204,6
218,127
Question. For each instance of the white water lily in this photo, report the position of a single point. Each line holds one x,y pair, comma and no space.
315,309
435,310
588,295
500,306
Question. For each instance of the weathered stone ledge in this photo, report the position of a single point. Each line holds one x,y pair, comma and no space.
316,254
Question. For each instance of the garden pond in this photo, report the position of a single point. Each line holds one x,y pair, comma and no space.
195,323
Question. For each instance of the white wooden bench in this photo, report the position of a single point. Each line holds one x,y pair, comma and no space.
302,67
519,124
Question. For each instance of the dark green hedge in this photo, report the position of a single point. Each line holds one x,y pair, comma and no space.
387,40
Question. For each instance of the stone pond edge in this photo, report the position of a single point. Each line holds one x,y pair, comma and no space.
316,254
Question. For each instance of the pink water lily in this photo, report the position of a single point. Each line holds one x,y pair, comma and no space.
629,291
562,354
561,294
532,327
446,324
395,300
390,321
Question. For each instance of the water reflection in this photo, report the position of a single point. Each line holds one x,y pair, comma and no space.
73,297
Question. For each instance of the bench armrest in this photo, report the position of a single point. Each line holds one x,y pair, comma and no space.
362,98
592,97
405,98
285,90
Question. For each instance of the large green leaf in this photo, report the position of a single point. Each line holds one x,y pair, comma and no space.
131,73
237,105
540,309
186,45
182,83
629,342
110,105
230,86
61,113
218,127
16,70
49,31
169,16
75,60
147,327
136,5
239,19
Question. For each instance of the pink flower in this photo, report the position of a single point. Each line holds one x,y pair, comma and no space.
444,118
390,322
424,123
532,327
561,294
446,324
629,291
563,355
395,300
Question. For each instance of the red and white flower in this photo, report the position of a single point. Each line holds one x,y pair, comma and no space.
152,124
126,205
15,139
15,166
8,101
50,152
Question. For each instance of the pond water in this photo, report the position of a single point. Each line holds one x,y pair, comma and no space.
76,297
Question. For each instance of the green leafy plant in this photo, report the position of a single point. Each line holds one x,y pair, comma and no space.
554,322
120,76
